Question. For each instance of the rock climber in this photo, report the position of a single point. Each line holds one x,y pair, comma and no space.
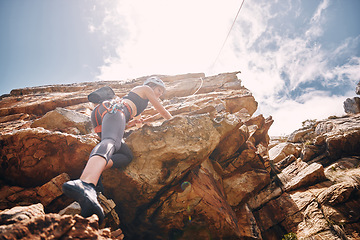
109,119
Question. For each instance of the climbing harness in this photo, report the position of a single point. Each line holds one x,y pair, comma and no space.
110,107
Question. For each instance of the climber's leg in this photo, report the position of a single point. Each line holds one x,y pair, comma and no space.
123,157
83,189
113,127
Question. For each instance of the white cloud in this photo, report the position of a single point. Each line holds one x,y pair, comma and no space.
322,6
92,28
301,61
290,114
295,59
173,37
167,37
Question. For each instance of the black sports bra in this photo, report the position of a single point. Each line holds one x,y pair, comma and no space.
139,102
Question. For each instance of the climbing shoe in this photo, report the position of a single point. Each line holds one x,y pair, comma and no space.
85,194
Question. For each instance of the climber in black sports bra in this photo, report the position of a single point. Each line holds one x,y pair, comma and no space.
139,102
109,119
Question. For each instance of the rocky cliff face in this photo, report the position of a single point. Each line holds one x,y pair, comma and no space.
211,172
352,105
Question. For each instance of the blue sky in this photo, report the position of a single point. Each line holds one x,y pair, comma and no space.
300,58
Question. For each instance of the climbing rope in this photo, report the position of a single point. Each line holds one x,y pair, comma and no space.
237,14
187,98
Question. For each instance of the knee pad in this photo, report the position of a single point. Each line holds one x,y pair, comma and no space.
105,149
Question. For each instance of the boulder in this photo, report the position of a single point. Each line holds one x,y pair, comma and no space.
289,209
310,151
166,152
301,135
64,120
54,226
15,117
42,104
279,166
45,194
338,193
314,222
345,213
344,170
282,150
299,174
220,82
163,155
343,144
21,213
283,206
241,100
199,199
53,189
260,127
230,144
111,217
248,226
5,192
72,209
352,105
33,156
338,125
26,196
244,177
266,194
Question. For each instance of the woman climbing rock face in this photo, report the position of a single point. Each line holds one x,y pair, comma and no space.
109,119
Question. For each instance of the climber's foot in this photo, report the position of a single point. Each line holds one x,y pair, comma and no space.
85,194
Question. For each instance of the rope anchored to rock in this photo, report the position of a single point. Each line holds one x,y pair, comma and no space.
187,98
